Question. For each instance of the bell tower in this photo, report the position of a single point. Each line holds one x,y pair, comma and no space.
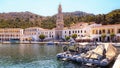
59,23
59,9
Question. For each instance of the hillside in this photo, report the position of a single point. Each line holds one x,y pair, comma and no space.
69,18
76,13
19,19
28,19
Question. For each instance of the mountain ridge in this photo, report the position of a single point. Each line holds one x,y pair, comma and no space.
29,19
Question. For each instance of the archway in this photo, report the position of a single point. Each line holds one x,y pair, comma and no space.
100,39
108,38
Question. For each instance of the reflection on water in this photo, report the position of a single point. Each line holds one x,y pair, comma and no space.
28,56
32,56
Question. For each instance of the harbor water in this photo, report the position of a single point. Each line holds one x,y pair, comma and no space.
34,56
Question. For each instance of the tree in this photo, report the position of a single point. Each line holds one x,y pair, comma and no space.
74,36
103,37
67,38
112,35
113,17
42,37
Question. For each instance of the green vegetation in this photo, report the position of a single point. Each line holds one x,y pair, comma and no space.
67,38
19,20
105,19
27,19
112,35
48,23
42,37
103,37
74,36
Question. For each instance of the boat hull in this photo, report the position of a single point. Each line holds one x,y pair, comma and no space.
79,59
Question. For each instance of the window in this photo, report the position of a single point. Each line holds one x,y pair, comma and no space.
78,31
58,17
50,36
118,30
100,32
65,31
73,31
84,31
69,32
108,31
103,31
81,31
112,30
96,31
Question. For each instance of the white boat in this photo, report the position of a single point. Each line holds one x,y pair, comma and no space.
102,55
50,43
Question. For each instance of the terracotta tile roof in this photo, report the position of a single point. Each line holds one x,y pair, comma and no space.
77,26
115,25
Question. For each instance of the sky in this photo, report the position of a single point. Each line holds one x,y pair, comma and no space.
50,7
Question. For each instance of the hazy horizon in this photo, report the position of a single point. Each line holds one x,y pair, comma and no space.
50,7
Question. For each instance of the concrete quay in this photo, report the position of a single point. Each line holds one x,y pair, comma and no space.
34,42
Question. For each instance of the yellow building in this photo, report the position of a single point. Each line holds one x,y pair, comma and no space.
6,34
107,30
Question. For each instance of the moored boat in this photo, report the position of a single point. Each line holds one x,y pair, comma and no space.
72,51
50,43
102,55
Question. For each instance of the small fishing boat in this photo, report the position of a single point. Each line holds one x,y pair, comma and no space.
69,51
50,43
72,51
102,55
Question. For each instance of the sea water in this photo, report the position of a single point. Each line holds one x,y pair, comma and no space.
33,56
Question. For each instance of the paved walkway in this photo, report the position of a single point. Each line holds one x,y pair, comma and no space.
34,42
